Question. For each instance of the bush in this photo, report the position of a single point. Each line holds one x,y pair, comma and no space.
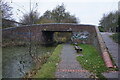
101,29
116,37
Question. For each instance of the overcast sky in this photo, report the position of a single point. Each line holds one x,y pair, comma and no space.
87,11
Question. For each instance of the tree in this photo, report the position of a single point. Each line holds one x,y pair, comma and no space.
58,15
109,22
118,28
61,16
70,18
7,20
31,17
47,17
6,10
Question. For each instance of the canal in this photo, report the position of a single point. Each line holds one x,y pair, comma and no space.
17,60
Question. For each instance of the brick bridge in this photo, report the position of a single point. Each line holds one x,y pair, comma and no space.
44,32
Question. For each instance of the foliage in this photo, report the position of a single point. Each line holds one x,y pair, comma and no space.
101,29
58,15
48,69
46,17
109,21
62,37
91,60
116,37
118,28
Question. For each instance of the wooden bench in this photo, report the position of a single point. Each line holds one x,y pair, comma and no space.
78,49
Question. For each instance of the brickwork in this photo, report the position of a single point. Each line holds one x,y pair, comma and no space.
23,32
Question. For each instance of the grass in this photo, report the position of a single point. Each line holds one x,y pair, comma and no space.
91,60
48,69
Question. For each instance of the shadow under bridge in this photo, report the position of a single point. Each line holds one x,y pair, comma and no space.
48,36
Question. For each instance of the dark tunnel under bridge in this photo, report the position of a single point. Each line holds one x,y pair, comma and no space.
48,36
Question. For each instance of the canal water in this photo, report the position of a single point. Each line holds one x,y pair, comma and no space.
17,60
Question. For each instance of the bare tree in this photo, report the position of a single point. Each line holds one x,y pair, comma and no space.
7,18
31,16
6,10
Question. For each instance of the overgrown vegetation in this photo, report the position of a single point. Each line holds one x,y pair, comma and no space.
91,60
49,68
116,37
62,37
39,62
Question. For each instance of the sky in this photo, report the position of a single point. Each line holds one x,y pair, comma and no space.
87,11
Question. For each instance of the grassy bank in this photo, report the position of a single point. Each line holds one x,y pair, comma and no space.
91,60
49,68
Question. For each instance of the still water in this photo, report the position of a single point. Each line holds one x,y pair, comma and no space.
13,56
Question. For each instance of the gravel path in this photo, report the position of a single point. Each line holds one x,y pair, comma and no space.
111,45
69,67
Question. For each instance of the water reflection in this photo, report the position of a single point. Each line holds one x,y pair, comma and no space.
17,60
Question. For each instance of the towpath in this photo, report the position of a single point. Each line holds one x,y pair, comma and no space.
69,67
111,45
113,50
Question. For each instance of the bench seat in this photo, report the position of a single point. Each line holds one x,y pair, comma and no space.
78,49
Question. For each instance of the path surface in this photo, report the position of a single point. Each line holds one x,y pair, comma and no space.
69,67
113,49
111,45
